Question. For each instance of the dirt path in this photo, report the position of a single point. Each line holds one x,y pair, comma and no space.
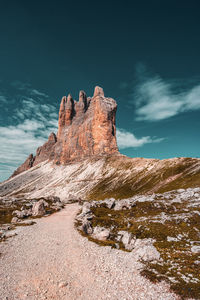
51,260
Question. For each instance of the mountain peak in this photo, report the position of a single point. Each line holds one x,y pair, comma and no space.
85,128
98,91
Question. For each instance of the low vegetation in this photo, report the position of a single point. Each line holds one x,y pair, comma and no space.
172,220
143,177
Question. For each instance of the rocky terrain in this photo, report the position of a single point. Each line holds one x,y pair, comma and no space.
23,212
103,177
51,260
163,231
85,128
148,208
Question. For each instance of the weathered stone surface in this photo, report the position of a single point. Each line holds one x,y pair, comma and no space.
38,208
85,128
101,233
43,152
86,227
144,250
25,166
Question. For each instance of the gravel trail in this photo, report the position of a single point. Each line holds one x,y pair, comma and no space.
51,260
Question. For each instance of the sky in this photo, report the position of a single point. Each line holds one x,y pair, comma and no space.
145,55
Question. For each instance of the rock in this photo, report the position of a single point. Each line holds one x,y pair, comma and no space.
127,239
86,127
15,220
144,250
53,199
25,166
57,206
123,204
38,208
101,233
22,214
44,152
86,227
110,203
98,91
72,199
27,222
86,208
195,249
62,284
181,190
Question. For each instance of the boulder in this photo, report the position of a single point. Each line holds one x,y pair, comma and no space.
15,220
86,227
110,203
38,208
127,239
144,250
101,233
22,214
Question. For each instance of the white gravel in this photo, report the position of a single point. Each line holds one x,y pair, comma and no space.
51,260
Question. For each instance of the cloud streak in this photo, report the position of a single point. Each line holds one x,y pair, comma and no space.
127,139
32,122
156,99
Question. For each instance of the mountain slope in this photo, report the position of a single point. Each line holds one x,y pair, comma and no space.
101,177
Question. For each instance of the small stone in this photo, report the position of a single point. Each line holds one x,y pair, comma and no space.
62,284
15,220
195,249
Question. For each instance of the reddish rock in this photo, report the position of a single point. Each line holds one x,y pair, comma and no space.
85,128
25,166
43,153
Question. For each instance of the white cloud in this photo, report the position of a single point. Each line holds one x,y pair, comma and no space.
38,93
127,139
157,100
35,121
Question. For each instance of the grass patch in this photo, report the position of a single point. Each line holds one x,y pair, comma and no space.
174,236
126,181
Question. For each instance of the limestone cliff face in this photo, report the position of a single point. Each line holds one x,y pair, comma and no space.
43,152
85,128
25,166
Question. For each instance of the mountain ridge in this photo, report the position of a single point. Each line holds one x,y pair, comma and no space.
85,128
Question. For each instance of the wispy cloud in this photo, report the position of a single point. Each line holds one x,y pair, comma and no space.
32,122
157,99
127,139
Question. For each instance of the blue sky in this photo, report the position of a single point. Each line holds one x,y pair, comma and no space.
144,55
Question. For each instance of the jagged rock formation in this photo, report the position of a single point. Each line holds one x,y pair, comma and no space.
25,166
85,128
42,154
97,178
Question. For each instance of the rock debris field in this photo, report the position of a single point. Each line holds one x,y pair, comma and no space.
51,260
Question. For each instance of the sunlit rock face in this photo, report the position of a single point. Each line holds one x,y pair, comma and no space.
25,166
85,128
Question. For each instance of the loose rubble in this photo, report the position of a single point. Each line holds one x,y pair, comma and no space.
51,260
160,230
20,211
